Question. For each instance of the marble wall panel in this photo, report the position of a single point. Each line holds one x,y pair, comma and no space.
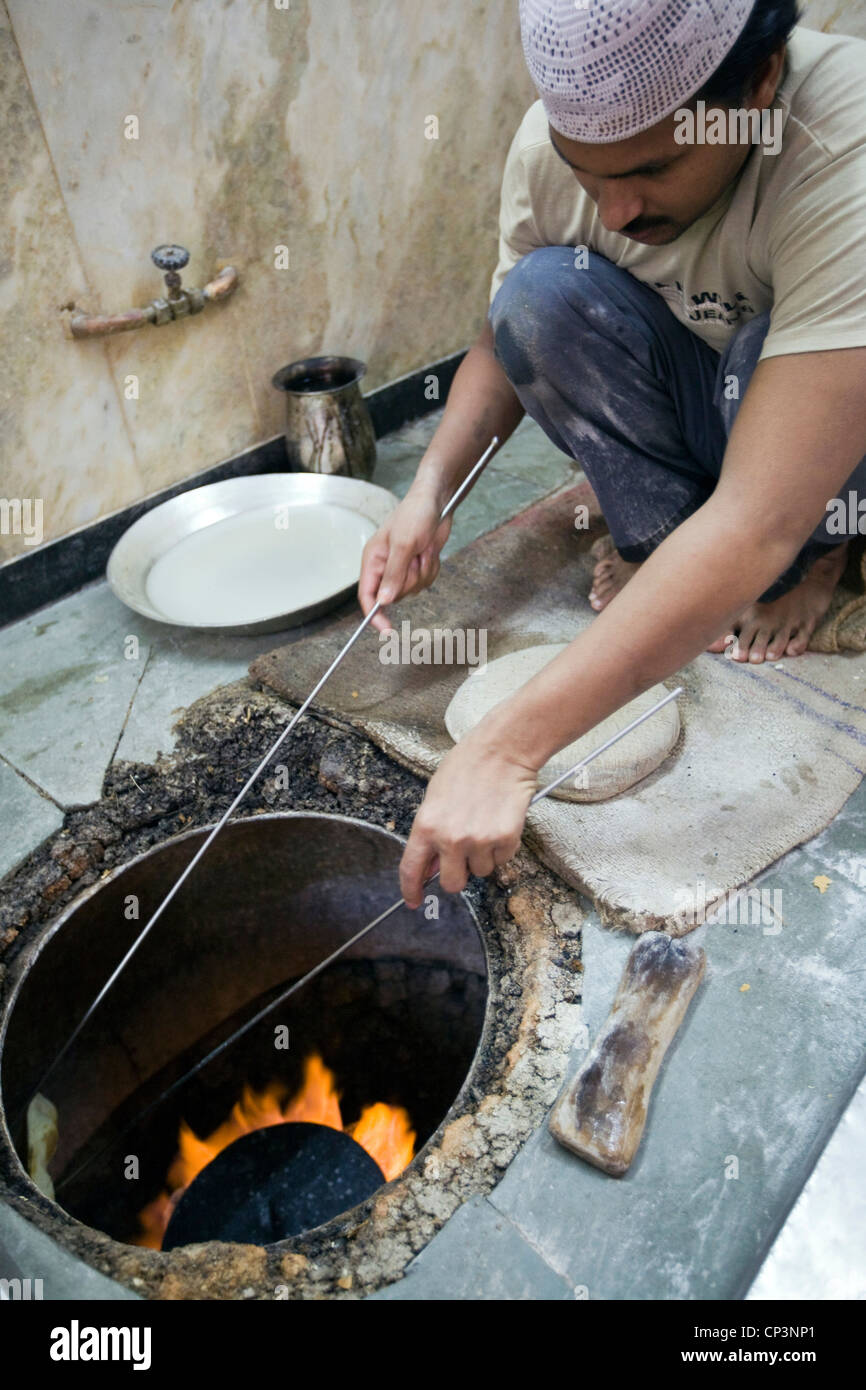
260,127
261,124
63,440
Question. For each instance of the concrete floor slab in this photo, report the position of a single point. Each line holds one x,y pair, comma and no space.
478,1255
753,1086
65,690
28,818
814,1255
529,454
526,468
182,667
25,1253
495,498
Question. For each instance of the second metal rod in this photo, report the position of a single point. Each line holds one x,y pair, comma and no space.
323,964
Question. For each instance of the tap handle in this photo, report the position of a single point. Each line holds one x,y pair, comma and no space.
170,257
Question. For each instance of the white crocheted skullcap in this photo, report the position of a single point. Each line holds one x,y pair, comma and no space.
607,69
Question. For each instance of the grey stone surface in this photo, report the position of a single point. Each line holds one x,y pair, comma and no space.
529,454
814,1255
28,1254
759,1075
65,691
819,1252
494,499
527,467
182,667
28,818
478,1255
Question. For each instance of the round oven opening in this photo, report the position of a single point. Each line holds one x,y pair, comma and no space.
378,1045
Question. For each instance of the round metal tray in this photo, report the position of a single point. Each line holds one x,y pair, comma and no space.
158,532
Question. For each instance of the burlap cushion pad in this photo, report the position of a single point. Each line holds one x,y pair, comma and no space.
844,627
765,760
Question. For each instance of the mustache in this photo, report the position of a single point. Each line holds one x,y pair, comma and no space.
646,224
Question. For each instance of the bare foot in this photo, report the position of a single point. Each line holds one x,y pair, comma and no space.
611,573
768,631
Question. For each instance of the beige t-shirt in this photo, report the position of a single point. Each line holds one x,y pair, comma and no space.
788,235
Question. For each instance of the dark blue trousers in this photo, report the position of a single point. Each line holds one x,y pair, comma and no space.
644,405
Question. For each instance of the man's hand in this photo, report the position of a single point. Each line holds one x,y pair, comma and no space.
403,556
471,818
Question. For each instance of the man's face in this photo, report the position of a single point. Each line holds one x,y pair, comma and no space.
649,188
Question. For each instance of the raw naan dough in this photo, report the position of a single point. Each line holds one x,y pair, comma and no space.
634,757
42,1139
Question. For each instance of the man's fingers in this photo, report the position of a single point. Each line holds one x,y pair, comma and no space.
421,859
482,861
372,568
429,567
394,578
411,582
416,866
454,863
368,585
381,622
453,869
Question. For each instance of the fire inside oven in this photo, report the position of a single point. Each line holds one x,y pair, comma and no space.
317,1105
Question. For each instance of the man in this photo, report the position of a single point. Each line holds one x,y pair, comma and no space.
684,315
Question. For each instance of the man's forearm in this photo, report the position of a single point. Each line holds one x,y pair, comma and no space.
481,404
800,432
680,600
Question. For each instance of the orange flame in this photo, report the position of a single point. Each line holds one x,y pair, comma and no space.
385,1131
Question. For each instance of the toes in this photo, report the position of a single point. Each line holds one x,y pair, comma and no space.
603,590
603,570
758,647
744,642
602,547
609,576
721,643
798,643
779,644
600,582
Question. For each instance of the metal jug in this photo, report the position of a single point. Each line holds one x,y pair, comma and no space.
328,425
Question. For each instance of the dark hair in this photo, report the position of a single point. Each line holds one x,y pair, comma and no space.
766,29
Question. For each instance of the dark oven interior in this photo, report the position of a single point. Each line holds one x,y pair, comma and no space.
396,1020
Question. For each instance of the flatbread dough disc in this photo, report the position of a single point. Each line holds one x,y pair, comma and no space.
634,757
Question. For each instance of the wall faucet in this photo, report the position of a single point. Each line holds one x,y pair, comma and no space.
179,303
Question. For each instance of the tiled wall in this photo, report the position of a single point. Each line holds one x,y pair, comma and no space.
261,123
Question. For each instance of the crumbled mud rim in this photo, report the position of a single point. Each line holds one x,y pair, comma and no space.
531,925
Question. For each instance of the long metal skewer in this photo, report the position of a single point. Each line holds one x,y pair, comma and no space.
614,738
317,969
202,850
